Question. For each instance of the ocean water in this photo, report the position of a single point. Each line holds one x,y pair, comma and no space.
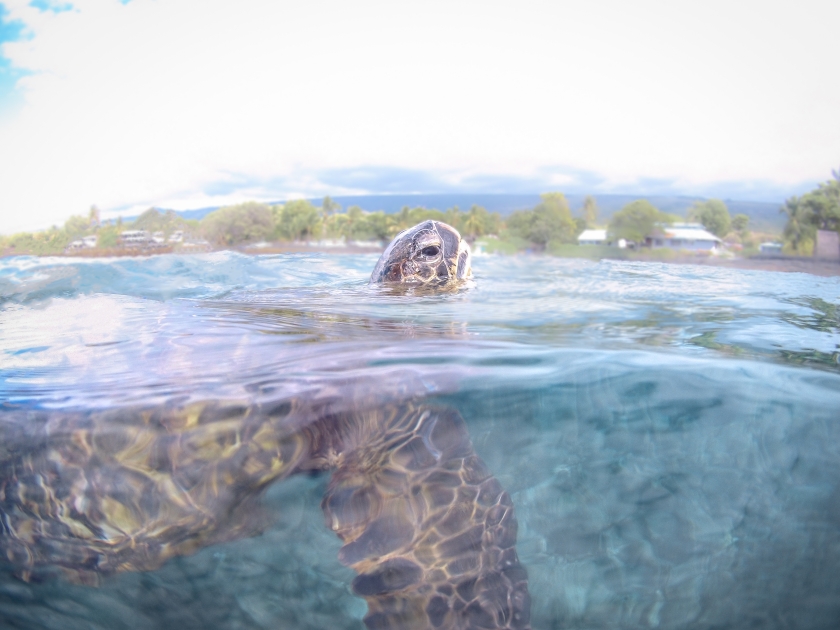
669,434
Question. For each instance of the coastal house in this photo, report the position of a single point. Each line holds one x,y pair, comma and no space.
135,238
142,239
685,236
86,242
771,248
593,237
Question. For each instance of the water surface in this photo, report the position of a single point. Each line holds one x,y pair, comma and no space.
668,433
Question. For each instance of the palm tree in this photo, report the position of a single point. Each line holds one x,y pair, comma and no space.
454,218
474,222
799,231
404,218
355,216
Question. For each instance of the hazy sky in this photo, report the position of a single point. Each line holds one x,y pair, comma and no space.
192,103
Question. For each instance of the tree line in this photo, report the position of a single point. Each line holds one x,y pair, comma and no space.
301,220
818,209
635,221
297,220
550,222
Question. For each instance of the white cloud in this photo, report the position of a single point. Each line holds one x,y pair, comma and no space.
154,102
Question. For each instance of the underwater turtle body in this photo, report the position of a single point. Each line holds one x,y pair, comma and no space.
428,529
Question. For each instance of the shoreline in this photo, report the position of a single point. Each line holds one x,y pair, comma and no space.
814,266
785,264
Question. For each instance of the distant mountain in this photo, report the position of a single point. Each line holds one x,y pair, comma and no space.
199,213
503,204
763,216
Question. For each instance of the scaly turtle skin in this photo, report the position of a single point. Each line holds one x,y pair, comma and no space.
425,525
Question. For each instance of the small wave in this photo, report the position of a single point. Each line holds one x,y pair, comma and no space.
213,275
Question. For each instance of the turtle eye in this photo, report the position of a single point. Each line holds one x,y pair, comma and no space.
430,251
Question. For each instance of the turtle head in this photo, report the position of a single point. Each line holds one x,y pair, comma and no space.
430,253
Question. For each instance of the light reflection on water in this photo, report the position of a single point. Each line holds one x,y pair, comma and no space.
669,434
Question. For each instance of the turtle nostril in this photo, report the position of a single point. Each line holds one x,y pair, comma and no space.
430,251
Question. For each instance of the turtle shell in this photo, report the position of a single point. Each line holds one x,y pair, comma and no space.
428,529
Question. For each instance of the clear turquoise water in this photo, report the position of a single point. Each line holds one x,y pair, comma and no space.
670,434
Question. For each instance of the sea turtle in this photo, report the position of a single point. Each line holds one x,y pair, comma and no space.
431,253
425,525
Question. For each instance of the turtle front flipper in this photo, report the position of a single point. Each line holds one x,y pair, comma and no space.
92,494
429,530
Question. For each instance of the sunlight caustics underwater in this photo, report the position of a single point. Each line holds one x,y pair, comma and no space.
669,434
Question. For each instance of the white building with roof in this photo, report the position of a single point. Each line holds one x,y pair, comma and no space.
770,247
86,242
593,237
688,236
